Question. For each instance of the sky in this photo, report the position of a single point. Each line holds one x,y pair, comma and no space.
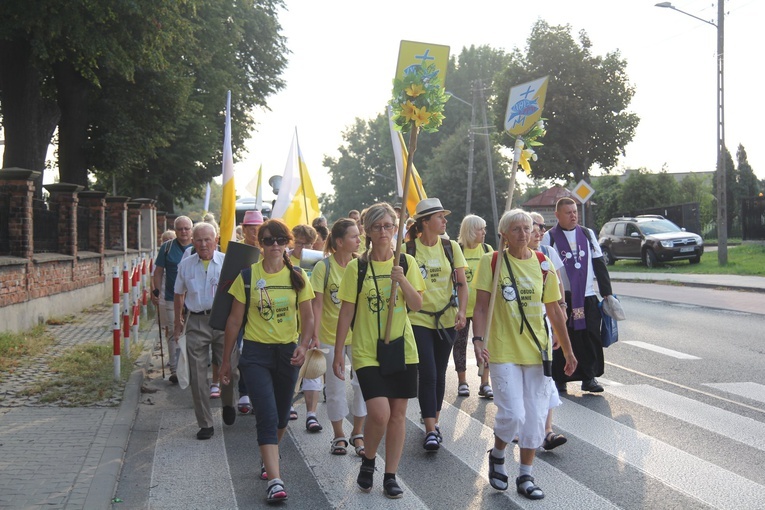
344,58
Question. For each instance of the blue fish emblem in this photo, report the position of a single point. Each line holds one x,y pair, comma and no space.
522,109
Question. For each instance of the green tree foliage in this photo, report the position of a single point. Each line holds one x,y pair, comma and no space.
365,172
586,106
733,204
642,190
748,186
608,191
139,86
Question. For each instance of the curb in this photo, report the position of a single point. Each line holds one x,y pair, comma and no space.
103,487
678,283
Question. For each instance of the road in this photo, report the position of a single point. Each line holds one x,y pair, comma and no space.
681,425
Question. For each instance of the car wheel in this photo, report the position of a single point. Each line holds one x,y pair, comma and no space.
695,260
649,258
607,257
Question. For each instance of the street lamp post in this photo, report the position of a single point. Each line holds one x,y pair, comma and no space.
722,199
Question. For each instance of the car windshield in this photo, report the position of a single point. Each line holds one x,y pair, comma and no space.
658,227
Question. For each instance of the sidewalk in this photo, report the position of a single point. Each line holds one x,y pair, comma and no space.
61,457
70,458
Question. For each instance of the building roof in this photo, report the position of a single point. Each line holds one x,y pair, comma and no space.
549,197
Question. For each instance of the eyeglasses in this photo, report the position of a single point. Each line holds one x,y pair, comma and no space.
541,226
379,228
270,241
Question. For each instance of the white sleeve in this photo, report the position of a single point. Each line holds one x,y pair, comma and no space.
596,251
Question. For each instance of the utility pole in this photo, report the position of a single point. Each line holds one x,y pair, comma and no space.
492,190
722,206
471,152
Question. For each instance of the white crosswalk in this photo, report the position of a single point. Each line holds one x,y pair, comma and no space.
195,474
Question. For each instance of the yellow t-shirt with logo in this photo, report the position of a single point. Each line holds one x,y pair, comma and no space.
472,256
436,271
372,310
330,300
273,314
506,343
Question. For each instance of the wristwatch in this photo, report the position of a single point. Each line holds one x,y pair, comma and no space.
155,292
477,339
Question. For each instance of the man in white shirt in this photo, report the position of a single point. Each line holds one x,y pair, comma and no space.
195,286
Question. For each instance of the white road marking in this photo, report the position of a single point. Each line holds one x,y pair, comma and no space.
750,390
660,350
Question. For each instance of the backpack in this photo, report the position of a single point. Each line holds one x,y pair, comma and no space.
411,249
540,259
362,273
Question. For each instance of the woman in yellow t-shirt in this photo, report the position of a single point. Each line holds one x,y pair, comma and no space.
341,247
434,324
471,240
517,346
385,395
272,351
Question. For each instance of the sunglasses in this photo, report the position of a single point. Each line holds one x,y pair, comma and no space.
541,226
270,241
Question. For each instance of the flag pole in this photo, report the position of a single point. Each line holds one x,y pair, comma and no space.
501,248
401,225
302,183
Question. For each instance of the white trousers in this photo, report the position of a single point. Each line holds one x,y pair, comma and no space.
337,402
522,396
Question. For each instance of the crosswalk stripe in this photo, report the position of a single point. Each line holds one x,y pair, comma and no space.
733,426
748,390
684,472
469,439
336,474
660,350
185,470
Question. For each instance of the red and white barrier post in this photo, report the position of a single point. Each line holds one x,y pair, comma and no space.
126,308
136,278
116,320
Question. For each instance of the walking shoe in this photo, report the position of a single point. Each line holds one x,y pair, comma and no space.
214,390
229,415
366,474
431,443
275,492
244,405
592,386
173,378
391,488
205,433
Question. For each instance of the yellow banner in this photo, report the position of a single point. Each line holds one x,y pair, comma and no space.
412,53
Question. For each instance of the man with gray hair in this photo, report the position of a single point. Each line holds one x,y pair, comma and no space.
195,287
166,268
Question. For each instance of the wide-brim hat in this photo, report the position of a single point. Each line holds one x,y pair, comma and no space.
429,206
315,364
252,218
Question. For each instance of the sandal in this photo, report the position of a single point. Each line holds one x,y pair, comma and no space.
244,405
485,391
531,491
496,480
312,424
438,434
214,390
463,390
553,440
431,443
336,448
293,414
263,473
359,449
275,492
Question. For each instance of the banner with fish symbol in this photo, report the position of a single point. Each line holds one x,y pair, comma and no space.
524,106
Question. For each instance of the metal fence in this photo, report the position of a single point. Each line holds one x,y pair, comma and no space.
753,219
5,218
683,215
83,228
45,227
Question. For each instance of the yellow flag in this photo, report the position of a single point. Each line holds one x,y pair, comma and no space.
297,203
416,190
228,205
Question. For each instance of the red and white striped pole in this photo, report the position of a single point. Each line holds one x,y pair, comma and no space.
116,320
126,308
136,275
144,287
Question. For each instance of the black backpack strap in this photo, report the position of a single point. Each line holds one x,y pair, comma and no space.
247,278
485,247
362,273
326,273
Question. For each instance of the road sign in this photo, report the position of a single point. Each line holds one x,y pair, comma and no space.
583,191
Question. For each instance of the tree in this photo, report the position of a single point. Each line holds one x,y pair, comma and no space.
608,191
643,190
748,185
586,103
365,172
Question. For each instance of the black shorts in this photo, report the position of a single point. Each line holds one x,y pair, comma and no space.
401,385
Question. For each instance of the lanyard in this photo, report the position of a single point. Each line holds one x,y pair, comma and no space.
382,301
520,306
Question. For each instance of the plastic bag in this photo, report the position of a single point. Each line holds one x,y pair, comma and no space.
609,328
182,368
613,307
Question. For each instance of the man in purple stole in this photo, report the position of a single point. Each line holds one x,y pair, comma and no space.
582,262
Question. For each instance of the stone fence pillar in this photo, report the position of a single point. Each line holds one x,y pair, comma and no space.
63,197
95,203
115,217
16,193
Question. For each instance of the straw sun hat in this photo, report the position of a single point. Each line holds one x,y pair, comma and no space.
315,364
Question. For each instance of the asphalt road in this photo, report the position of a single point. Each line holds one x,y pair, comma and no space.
681,425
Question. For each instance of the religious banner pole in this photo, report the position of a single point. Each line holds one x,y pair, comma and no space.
523,119
417,104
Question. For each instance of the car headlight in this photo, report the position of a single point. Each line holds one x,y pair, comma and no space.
667,244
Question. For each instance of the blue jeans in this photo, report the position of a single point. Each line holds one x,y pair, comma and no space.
271,380
433,352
